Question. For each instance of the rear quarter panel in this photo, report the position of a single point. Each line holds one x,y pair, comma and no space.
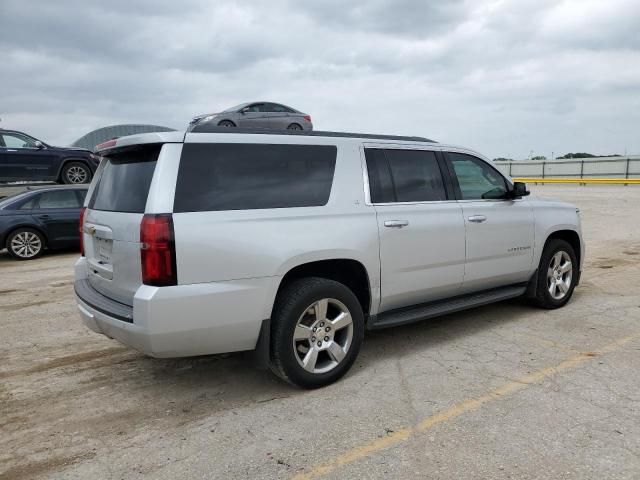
243,244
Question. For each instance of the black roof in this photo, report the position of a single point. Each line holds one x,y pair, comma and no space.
208,128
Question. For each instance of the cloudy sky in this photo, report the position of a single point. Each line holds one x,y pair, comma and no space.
503,77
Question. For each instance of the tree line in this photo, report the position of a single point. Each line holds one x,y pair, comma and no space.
565,156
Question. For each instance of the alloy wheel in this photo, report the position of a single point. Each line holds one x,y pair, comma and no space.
26,244
559,275
323,335
76,174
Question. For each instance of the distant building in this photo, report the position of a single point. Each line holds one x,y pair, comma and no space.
91,139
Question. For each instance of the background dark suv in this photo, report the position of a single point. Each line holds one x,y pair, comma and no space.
24,158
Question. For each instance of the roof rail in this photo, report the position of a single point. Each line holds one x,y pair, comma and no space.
207,128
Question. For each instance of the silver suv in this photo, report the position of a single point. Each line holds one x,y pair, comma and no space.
292,244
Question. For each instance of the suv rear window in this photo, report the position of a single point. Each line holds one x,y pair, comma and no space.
124,183
234,176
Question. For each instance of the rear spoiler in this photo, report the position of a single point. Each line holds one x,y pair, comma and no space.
132,142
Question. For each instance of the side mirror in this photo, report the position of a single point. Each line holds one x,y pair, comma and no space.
38,144
519,190
244,110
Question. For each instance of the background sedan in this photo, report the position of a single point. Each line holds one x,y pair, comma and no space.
258,115
37,219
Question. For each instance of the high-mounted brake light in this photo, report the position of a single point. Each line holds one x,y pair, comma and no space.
157,250
307,118
103,145
81,229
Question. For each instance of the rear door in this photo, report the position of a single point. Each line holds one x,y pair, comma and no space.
58,213
112,221
500,231
421,230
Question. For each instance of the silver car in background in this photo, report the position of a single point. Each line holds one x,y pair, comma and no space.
257,115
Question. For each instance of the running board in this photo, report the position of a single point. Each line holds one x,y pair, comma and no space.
424,311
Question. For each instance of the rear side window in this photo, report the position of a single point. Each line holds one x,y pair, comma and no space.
215,176
124,183
404,176
59,199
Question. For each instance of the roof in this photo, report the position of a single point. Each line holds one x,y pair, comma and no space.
205,128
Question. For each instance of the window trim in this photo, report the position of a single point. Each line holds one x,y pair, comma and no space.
454,178
448,189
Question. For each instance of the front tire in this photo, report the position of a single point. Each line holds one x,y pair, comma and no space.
226,123
317,331
557,274
25,244
76,173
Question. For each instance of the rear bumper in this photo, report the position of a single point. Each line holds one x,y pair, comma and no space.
180,321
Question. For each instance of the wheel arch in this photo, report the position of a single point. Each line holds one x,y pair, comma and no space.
67,160
570,236
227,120
351,273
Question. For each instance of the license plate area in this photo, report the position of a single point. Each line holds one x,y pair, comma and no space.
104,248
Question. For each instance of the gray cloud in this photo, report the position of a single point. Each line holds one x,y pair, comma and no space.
502,77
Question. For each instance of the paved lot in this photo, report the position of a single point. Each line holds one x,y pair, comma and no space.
505,391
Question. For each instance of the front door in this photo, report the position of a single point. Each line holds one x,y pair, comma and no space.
253,116
21,160
421,229
500,231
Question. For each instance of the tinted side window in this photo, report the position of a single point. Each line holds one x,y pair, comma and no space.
380,185
58,199
416,175
15,140
476,178
124,183
215,176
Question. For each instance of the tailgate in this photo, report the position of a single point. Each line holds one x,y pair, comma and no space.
111,230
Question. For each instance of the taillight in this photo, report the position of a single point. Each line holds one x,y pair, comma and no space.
307,118
157,250
81,230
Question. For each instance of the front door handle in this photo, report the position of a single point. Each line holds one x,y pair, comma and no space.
477,218
44,217
396,223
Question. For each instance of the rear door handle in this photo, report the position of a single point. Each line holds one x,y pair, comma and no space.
477,218
396,223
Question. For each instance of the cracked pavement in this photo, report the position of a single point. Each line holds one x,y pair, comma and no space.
76,405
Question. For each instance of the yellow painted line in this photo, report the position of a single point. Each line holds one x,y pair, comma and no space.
594,181
456,410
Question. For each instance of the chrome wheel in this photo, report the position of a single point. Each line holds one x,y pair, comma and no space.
26,244
559,275
323,335
77,174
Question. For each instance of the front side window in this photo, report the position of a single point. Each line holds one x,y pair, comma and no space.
15,140
256,108
233,176
59,199
476,178
404,176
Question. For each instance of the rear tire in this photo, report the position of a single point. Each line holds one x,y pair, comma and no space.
557,275
317,330
76,173
294,126
25,244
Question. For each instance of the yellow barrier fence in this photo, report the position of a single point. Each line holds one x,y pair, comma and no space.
581,181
